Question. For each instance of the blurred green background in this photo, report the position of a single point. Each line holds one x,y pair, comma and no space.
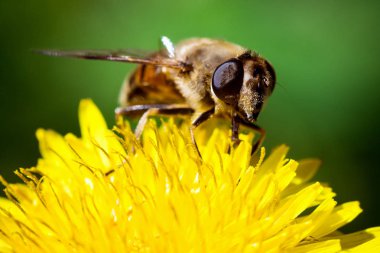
326,54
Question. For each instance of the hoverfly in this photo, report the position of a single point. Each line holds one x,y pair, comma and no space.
201,77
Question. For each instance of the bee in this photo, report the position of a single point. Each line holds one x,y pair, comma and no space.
200,77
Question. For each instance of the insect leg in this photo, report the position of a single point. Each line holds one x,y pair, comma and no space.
256,128
235,130
134,110
196,122
146,111
163,109
151,110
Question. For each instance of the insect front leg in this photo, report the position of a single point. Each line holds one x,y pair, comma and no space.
235,138
235,130
196,122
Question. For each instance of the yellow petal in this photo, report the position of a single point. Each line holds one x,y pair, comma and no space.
367,241
93,128
329,246
341,215
306,170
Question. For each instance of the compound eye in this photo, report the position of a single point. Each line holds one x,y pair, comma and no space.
228,80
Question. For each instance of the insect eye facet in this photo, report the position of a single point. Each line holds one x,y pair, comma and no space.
228,80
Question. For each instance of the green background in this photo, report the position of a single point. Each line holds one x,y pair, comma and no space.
326,54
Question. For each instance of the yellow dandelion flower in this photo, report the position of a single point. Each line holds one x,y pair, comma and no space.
107,192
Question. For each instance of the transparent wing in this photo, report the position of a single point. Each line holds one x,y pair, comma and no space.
132,56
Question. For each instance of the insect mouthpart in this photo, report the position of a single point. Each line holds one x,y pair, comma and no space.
252,117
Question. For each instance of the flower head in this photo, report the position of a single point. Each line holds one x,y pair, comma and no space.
108,192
